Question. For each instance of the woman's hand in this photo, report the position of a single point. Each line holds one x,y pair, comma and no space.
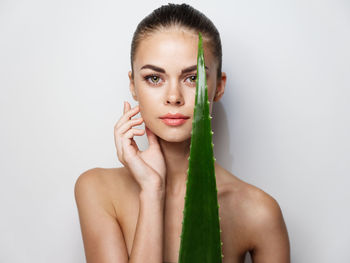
147,167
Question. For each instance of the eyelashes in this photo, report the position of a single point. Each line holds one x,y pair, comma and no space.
156,80
152,79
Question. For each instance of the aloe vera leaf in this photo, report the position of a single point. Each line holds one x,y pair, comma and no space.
200,238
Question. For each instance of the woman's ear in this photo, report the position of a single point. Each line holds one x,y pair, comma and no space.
132,86
220,87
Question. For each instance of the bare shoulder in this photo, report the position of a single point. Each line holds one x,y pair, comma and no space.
96,192
250,200
104,185
259,216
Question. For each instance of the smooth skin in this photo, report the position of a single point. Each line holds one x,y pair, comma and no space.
134,213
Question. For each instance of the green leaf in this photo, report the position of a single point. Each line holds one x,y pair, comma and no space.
200,238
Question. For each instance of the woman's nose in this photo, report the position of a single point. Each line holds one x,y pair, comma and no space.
174,96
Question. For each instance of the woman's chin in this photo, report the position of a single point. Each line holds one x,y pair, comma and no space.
175,138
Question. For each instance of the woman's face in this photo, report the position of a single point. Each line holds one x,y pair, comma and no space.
165,67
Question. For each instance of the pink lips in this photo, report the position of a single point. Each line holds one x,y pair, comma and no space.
174,119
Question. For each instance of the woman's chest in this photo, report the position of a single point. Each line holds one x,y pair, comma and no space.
233,247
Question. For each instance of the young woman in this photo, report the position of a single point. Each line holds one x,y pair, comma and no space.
134,213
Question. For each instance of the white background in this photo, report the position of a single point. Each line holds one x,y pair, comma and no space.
282,125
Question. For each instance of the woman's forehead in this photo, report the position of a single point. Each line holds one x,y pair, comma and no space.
170,48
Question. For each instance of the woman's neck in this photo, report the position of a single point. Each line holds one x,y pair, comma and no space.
176,159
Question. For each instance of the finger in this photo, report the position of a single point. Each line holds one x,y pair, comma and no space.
119,146
131,133
119,133
152,138
117,139
127,106
127,125
128,150
126,116
131,111
125,142
133,143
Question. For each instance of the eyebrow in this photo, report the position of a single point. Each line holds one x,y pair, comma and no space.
161,70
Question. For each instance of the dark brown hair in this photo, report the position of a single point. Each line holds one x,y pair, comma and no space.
178,15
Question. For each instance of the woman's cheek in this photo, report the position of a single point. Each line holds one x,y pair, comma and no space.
144,112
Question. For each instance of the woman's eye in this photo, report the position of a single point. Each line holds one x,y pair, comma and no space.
153,78
192,78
